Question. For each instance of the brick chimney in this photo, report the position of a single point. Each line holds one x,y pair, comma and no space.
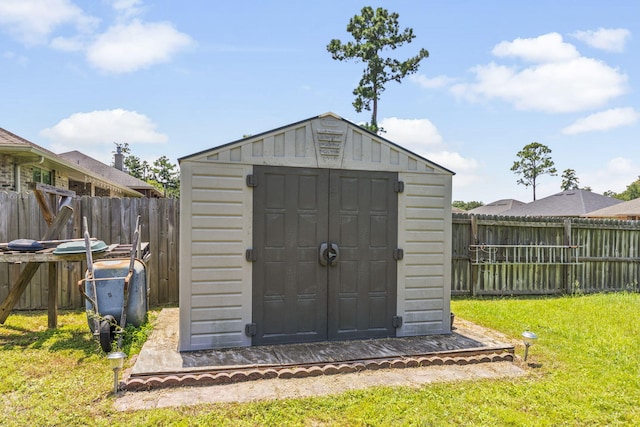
118,158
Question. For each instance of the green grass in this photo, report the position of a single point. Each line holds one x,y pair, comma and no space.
585,370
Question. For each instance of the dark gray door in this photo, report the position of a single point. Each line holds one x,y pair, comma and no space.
363,221
324,266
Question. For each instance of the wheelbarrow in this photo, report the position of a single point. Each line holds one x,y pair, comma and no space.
115,292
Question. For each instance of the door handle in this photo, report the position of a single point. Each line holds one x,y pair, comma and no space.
328,254
322,254
334,253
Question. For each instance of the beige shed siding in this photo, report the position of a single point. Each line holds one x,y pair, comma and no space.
423,275
215,269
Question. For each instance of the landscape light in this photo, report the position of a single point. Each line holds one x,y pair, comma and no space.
116,361
529,338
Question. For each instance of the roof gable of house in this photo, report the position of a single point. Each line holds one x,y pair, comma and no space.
109,172
565,203
324,141
19,147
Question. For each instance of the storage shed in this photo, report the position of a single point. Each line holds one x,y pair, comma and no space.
315,231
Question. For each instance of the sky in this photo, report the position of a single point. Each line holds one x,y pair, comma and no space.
175,78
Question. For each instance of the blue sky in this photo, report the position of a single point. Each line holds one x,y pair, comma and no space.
174,78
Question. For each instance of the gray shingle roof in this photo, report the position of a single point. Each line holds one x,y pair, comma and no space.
629,209
109,172
566,203
21,147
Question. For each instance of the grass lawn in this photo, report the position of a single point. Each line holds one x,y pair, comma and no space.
585,371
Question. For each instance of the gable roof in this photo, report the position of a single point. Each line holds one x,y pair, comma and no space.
566,203
109,172
625,210
497,207
26,150
318,141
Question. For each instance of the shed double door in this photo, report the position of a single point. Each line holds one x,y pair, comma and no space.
324,244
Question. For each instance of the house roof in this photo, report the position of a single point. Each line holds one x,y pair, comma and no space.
566,203
22,148
497,207
109,172
244,141
629,209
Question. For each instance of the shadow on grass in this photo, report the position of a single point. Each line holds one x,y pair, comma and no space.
16,337
50,339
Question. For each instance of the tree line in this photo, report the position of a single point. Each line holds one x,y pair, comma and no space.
161,173
534,160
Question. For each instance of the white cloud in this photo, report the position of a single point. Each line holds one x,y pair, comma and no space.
422,137
94,131
127,8
416,135
69,44
137,45
617,174
604,120
546,48
32,21
126,46
558,81
464,167
431,83
609,39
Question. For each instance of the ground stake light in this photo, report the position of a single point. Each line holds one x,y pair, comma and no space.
529,338
116,361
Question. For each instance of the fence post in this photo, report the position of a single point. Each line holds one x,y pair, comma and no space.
565,268
474,268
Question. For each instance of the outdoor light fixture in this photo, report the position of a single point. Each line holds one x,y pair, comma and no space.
116,361
529,338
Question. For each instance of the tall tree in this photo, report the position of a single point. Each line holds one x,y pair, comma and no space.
164,173
374,32
569,180
534,160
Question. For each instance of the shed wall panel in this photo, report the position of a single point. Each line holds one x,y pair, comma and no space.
423,278
215,276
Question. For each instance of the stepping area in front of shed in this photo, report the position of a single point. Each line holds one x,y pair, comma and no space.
161,365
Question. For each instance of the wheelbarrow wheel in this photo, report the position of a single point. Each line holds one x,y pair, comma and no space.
107,329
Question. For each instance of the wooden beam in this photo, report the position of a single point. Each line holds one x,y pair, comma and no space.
45,208
53,295
30,269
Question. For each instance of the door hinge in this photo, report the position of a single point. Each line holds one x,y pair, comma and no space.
251,255
250,329
252,180
398,254
399,186
396,321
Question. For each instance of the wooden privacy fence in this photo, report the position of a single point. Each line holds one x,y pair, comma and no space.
491,255
112,220
494,255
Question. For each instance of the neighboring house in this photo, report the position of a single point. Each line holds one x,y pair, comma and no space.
318,230
571,203
497,207
112,173
625,210
23,162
